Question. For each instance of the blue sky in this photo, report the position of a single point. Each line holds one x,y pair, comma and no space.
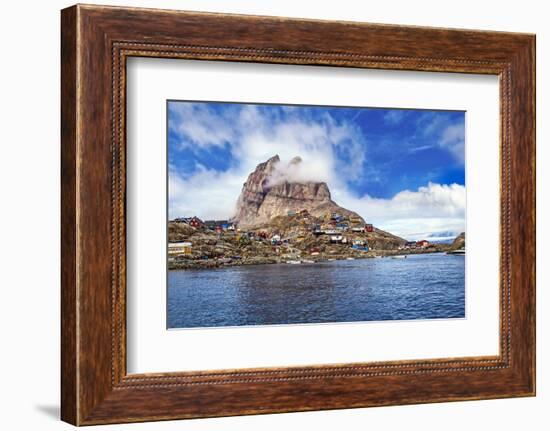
402,169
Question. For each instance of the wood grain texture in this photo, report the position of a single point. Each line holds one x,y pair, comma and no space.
69,397
96,41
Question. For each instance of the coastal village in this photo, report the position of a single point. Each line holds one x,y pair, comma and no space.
295,238
287,222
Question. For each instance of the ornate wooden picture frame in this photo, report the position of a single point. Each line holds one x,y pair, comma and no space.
96,41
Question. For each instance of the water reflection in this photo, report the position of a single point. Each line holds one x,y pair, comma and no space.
419,287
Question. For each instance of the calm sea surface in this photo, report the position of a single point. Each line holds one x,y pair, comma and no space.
425,286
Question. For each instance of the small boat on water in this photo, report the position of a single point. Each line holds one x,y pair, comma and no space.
459,252
399,257
308,261
350,258
294,262
331,260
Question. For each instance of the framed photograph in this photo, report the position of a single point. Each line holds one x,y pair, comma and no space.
265,215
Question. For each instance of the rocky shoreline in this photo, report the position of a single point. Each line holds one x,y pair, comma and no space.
186,264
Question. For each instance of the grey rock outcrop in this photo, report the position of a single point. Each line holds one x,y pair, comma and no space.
266,194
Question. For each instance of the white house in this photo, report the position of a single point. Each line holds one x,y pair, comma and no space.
179,247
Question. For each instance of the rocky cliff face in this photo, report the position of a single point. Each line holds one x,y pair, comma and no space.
459,242
266,194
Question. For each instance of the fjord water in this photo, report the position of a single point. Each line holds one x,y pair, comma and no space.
426,286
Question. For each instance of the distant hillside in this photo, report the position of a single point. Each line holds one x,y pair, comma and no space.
459,242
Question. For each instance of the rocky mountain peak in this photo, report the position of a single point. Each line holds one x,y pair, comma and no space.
271,162
295,161
268,193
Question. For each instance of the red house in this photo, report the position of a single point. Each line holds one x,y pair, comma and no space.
191,221
369,228
195,222
422,243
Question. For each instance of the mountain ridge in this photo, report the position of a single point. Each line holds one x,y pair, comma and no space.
267,193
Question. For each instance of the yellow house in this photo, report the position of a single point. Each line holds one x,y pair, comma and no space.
179,248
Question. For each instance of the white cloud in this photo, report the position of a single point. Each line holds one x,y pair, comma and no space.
420,148
254,136
200,125
431,124
207,194
447,135
394,117
452,138
299,171
413,214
